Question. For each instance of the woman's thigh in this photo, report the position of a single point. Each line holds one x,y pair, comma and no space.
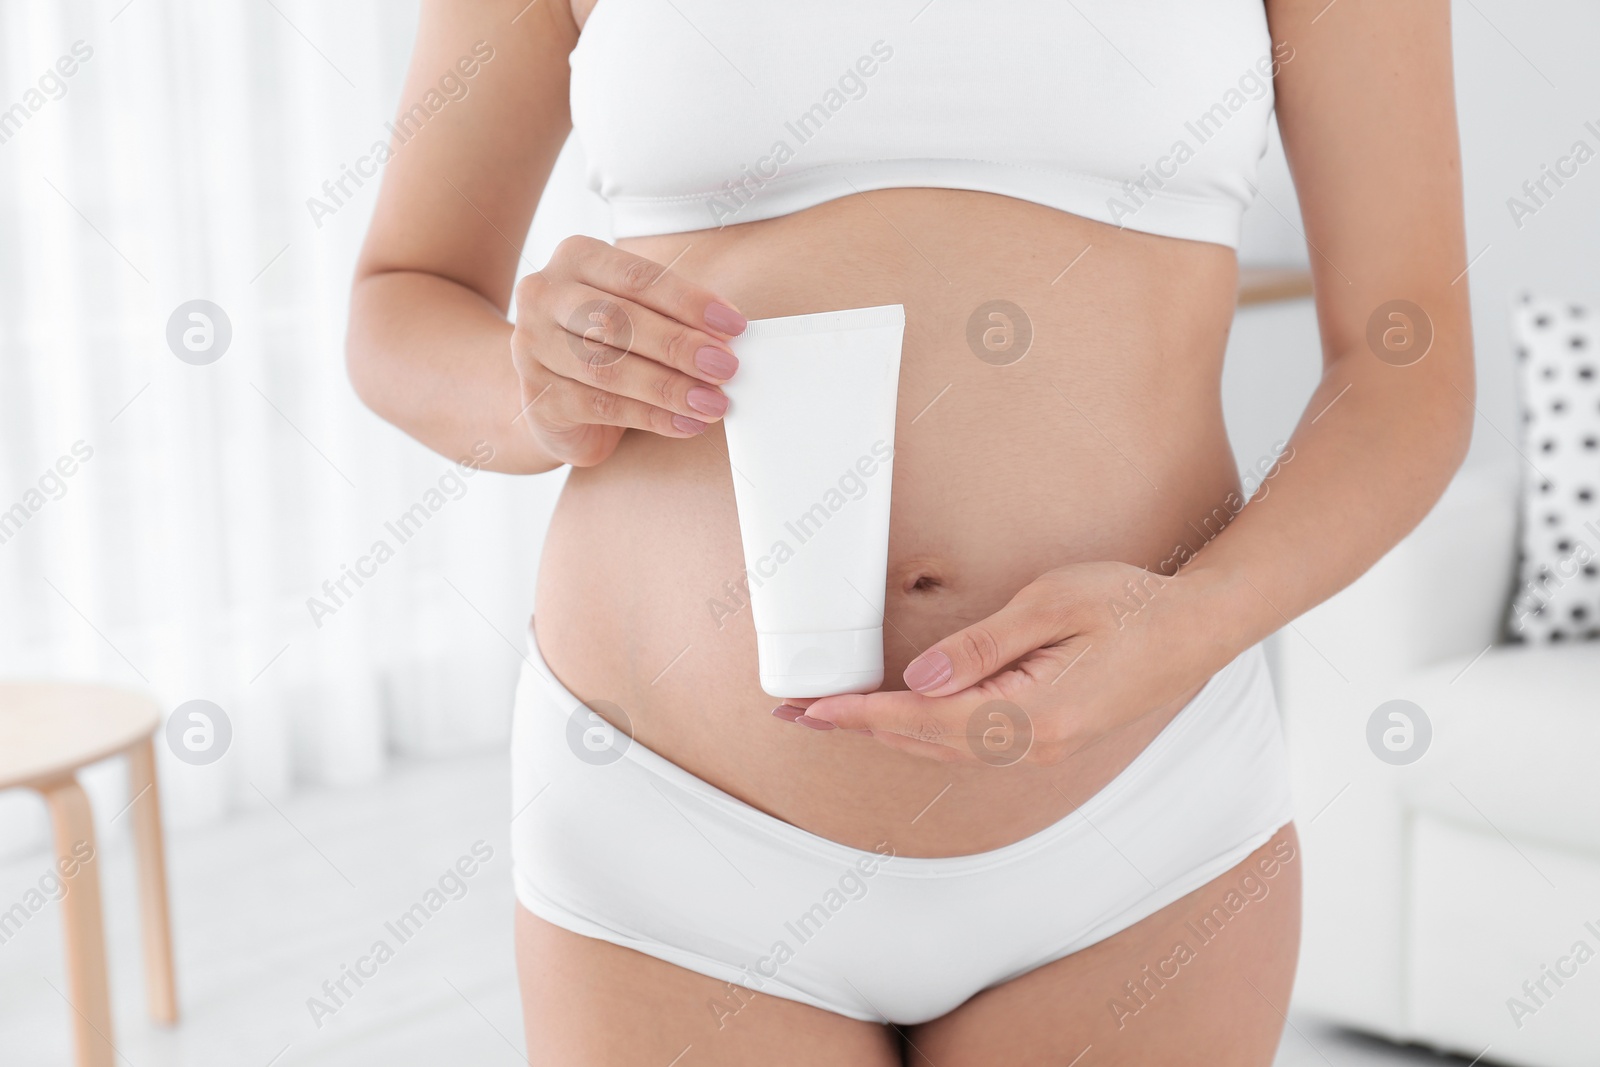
1204,981
589,1003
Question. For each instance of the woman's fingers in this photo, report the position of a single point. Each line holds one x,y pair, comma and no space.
647,283
597,325
606,339
1032,620
631,375
613,355
564,404
974,724
943,721
920,749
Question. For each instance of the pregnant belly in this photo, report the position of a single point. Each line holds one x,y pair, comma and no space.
1059,402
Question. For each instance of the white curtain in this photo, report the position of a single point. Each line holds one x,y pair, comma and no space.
174,163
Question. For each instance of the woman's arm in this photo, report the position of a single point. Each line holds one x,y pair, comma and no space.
604,342
1367,110
429,344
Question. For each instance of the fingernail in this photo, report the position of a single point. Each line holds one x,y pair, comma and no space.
724,319
716,362
788,712
707,401
685,424
815,724
929,671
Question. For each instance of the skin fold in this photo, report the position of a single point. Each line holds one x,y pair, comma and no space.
1040,508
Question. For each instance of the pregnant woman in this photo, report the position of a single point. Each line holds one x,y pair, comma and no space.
1052,190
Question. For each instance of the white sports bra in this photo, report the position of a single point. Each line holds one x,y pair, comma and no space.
1146,114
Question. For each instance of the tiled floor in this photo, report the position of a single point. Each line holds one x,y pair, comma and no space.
276,902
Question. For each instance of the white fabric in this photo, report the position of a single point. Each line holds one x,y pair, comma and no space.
1558,355
1435,889
1487,924
609,839
705,113
178,162
1535,703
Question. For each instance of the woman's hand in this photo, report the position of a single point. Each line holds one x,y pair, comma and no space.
606,340
1076,654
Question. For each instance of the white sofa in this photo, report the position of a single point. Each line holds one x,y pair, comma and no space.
1435,890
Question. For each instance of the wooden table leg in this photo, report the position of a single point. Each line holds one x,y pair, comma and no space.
78,864
153,915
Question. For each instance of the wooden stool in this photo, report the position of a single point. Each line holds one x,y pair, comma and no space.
47,732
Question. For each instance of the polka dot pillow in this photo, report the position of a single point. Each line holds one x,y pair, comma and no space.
1558,592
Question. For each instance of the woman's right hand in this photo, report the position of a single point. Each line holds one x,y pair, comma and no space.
606,340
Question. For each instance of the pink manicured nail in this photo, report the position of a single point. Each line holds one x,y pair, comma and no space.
815,724
788,712
716,362
724,319
929,671
707,401
685,424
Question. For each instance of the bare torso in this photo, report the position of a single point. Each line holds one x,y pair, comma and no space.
1104,442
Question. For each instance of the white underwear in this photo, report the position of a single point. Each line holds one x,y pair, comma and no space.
612,841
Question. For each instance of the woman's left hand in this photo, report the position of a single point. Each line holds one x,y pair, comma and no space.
1076,654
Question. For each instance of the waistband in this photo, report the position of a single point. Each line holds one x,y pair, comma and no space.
1241,681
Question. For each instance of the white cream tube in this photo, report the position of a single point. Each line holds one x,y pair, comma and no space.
810,428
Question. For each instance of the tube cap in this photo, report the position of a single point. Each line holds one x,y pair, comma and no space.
821,664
